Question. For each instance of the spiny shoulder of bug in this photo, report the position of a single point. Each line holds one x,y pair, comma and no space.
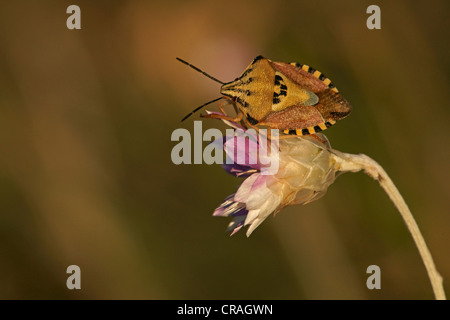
293,97
290,96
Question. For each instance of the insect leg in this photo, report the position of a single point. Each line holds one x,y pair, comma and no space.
318,139
296,136
223,117
224,104
268,135
221,108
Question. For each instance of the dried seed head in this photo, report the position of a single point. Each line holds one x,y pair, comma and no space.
306,169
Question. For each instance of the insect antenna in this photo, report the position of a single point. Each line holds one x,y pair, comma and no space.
197,69
198,108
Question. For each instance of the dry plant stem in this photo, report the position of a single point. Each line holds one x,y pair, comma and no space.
354,163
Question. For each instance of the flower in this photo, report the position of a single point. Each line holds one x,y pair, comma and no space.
306,167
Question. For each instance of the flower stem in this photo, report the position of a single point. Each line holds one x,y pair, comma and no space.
357,162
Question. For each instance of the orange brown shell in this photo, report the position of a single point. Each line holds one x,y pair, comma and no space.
291,97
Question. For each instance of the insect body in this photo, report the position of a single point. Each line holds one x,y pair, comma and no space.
291,97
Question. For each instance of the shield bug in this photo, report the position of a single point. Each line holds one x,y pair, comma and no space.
292,97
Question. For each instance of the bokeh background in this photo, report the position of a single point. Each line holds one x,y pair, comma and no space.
86,176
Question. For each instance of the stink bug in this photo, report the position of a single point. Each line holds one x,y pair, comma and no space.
292,97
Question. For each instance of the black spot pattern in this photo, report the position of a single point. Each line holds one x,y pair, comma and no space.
278,79
257,59
242,102
246,72
252,121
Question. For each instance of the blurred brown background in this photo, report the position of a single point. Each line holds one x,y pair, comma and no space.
86,176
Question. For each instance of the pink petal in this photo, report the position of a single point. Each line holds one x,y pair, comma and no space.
244,190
